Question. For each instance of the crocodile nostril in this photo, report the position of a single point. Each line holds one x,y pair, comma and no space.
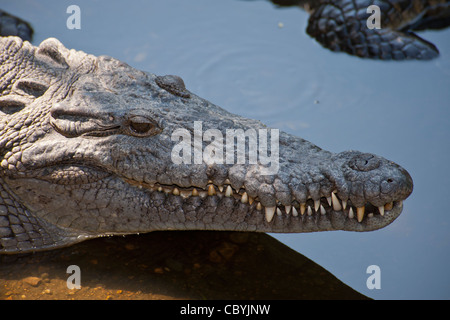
364,162
388,186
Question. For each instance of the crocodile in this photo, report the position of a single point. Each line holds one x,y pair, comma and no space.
342,26
90,147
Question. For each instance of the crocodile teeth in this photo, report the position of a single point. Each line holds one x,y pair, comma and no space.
228,192
389,206
329,201
176,192
351,215
195,192
220,188
294,212
211,190
185,194
360,213
336,205
302,208
244,198
279,213
309,211
250,200
259,206
344,204
316,205
381,209
288,209
167,190
270,211
322,209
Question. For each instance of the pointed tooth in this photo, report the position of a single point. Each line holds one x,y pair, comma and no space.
194,192
389,206
316,205
336,204
185,194
351,215
244,198
175,191
329,200
202,193
160,189
288,209
250,200
302,208
309,211
220,188
360,213
211,190
228,192
344,204
370,215
294,212
227,181
322,210
270,211
400,203
279,213
381,209
259,206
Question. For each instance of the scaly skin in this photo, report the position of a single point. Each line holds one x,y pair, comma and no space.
86,151
341,25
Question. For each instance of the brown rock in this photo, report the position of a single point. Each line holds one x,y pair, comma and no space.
32,281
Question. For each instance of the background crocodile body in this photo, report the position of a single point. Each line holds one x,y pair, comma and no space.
341,25
87,145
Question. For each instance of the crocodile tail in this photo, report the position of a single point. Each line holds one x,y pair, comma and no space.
345,29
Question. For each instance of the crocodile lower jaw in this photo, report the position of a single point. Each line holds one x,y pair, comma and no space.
315,208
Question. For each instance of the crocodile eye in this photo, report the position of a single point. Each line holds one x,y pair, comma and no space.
140,126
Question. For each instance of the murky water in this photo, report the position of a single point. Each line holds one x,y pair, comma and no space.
255,60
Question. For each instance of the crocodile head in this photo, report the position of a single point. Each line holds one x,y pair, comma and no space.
91,147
